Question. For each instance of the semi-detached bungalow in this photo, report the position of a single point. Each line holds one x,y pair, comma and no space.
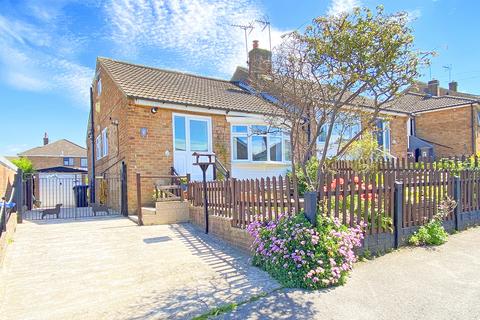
152,120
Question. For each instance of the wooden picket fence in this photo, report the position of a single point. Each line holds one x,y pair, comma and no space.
424,190
470,190
244,201
352,197
349,196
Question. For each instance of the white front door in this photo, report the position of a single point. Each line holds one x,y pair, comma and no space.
191,134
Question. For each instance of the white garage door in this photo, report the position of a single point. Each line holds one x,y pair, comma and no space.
57,188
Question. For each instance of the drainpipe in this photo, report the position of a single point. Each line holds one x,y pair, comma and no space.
92,138
474,147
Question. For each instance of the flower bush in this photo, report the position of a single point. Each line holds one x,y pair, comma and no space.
302,256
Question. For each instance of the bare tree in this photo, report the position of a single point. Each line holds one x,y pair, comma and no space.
340,71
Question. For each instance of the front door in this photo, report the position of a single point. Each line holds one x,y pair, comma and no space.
191,134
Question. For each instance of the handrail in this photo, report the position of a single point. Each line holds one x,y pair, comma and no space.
220,167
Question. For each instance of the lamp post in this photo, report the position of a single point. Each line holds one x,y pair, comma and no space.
204,160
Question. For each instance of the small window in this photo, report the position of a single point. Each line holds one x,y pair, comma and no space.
99,87
240,129
68,161
98,147
180,133
276,148
83,162
104,142
287,153
259,148
240,148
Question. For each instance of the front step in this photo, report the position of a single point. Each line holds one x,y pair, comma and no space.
134,218
166,212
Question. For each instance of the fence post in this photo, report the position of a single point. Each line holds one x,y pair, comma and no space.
124,190
233,200
310,207
139,200
457,196
398,212
19,194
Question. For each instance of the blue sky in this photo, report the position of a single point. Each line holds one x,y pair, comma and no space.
48,48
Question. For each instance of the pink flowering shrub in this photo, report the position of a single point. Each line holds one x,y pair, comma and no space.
302,256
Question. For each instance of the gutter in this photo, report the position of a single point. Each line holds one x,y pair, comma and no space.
92,138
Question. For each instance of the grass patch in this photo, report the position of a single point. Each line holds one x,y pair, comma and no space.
231,306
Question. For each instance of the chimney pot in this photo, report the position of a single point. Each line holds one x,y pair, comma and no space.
255,44
45,139
434,87
453,86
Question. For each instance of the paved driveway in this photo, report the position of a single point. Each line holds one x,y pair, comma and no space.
412,283
112,269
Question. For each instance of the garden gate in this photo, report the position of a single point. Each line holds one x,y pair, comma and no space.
56,195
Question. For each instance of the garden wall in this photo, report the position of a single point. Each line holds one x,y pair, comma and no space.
221,227
7,175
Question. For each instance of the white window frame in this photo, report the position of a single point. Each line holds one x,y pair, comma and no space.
98,147
83,160
105,142
284,136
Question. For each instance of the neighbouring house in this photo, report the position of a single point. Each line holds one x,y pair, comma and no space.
59,154
390,129
442,122
59,166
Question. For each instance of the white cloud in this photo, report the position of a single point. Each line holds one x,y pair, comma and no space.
414,14
341,6
199,31
31,60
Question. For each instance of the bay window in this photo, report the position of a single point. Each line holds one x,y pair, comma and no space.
258,143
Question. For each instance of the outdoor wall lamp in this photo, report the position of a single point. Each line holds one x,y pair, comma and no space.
154,110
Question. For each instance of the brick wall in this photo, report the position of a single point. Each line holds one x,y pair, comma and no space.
450,129
7,176
148,154
48,162
222,228
398,136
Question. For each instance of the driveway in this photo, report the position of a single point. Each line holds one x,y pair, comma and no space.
412,283
109,268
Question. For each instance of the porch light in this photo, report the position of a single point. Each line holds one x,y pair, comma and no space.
154,110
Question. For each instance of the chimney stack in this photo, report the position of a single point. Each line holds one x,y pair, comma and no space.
259,61
453,86
45,139
434,87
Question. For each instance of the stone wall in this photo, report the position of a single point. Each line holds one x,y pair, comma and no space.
222,228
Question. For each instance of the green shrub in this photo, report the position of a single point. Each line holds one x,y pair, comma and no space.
433,233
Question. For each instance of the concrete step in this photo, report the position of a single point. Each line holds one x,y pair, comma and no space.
134,218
